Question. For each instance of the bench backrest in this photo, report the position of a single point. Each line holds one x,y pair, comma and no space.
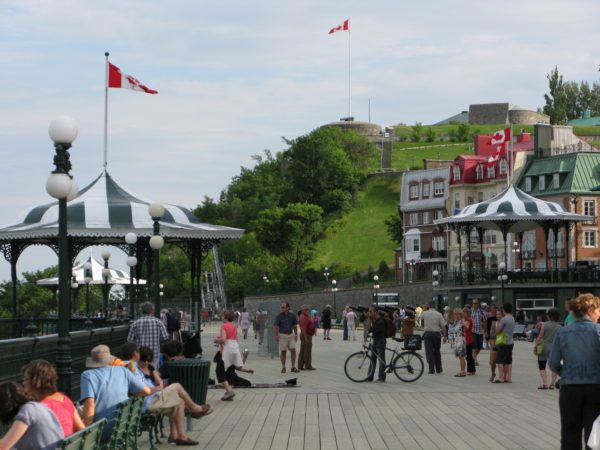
124,434
86,439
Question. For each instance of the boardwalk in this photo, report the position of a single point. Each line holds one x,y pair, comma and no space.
327,411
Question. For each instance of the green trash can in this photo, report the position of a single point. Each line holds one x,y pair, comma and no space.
192,374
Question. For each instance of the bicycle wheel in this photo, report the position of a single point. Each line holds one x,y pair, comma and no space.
408,366
359,367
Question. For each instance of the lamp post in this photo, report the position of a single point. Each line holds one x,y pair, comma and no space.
326,273
105,275
435,283
131,239
502,277
265,279
456,299
63,131
87,278
376,287
156,211
334,290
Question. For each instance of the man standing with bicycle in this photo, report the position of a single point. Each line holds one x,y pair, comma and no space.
379,332
434,326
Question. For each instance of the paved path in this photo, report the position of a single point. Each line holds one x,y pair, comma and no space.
328,411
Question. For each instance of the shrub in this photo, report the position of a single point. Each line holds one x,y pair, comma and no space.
417,131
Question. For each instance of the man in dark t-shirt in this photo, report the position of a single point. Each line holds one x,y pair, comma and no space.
286,333
379,332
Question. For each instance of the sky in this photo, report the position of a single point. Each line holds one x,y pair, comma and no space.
234,77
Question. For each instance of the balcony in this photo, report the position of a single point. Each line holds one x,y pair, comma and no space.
558,253
528,254
430,254
583,275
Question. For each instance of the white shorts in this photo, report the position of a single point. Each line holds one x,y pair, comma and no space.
287,342
231,354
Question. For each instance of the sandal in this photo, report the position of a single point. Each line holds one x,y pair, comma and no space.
283,370
551,387
460,375
543,386
295,370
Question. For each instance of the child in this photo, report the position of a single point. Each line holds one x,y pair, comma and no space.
460,346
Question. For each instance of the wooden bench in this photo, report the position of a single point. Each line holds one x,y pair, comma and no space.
86,439
127,424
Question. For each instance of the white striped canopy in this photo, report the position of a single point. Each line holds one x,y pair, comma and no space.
513,209
105,211
116,276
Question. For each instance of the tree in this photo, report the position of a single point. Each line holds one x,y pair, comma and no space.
290,233
430,135
317,165
394,228
463,132
416,132
556,99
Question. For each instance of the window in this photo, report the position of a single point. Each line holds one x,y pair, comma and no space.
438,188
426,217
474,236
437,242
456,200
414,191
426,189
439,214
503,167
479,171
414,245
414,218
492,172
555,181
470,200
589,209
479,197
490,237
456,173
589,239
528,184
542,183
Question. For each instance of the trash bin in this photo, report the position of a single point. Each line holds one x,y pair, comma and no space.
408,326
192,374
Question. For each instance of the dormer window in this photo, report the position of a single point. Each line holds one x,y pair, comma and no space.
414,192
479,172
527,184
438,188
425,190
542,183
555,181
503,167
492,172
456,173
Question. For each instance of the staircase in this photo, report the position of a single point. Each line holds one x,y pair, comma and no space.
213,291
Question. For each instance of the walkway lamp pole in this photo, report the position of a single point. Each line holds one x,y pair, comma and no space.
87,278
435,283
106,275
156,211
326,273
63,131
74,286
502,277
376,287
334,290
131,239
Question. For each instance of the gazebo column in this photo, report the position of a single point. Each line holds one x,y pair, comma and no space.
504,230
555,231
480,234
546,229
568,228
469,263
460,274
11,253
520,240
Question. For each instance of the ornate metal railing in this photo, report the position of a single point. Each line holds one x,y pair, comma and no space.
434,254
41,326
571,275
528,254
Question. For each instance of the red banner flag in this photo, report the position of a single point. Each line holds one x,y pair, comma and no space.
345,26
118,79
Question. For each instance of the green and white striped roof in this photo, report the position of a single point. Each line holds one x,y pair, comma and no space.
521,211
103,209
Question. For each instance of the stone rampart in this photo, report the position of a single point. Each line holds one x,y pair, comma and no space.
524,117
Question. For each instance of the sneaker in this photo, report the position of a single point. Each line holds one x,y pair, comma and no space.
228,396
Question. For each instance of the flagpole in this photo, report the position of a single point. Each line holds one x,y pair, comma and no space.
106,113
349,98
510,158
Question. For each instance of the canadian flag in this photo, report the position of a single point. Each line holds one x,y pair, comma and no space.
501,137
345,26
118,79
500,151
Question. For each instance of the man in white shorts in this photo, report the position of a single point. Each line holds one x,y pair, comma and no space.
286,333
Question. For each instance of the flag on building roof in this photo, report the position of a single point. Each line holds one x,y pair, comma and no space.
345,26
118,79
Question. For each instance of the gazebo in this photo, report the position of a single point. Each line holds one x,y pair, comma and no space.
102,214
511,211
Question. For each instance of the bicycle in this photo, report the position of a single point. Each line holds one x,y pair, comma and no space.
406,364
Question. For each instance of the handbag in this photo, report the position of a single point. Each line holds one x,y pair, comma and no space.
539,350
501,339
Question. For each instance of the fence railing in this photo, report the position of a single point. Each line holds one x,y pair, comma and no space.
571,275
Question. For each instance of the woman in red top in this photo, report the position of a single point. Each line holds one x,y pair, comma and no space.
468,333
39,380
228,358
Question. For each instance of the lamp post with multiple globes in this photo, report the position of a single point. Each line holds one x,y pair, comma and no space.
156,211
60,185
131,239
105,275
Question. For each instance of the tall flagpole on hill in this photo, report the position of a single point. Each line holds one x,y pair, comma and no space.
349,96
106,114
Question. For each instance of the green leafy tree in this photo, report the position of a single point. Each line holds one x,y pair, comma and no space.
430,134
33,300
416,132
394,228
383,270
556,99
291,233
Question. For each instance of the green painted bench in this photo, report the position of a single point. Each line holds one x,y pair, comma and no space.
86,439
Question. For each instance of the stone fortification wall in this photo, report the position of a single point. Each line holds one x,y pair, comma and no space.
409,294
521,116
488,113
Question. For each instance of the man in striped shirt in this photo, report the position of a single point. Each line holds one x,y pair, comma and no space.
148,331
478,317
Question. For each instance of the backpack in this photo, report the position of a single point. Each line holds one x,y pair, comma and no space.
390,328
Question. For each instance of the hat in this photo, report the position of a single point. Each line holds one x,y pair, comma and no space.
99,357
